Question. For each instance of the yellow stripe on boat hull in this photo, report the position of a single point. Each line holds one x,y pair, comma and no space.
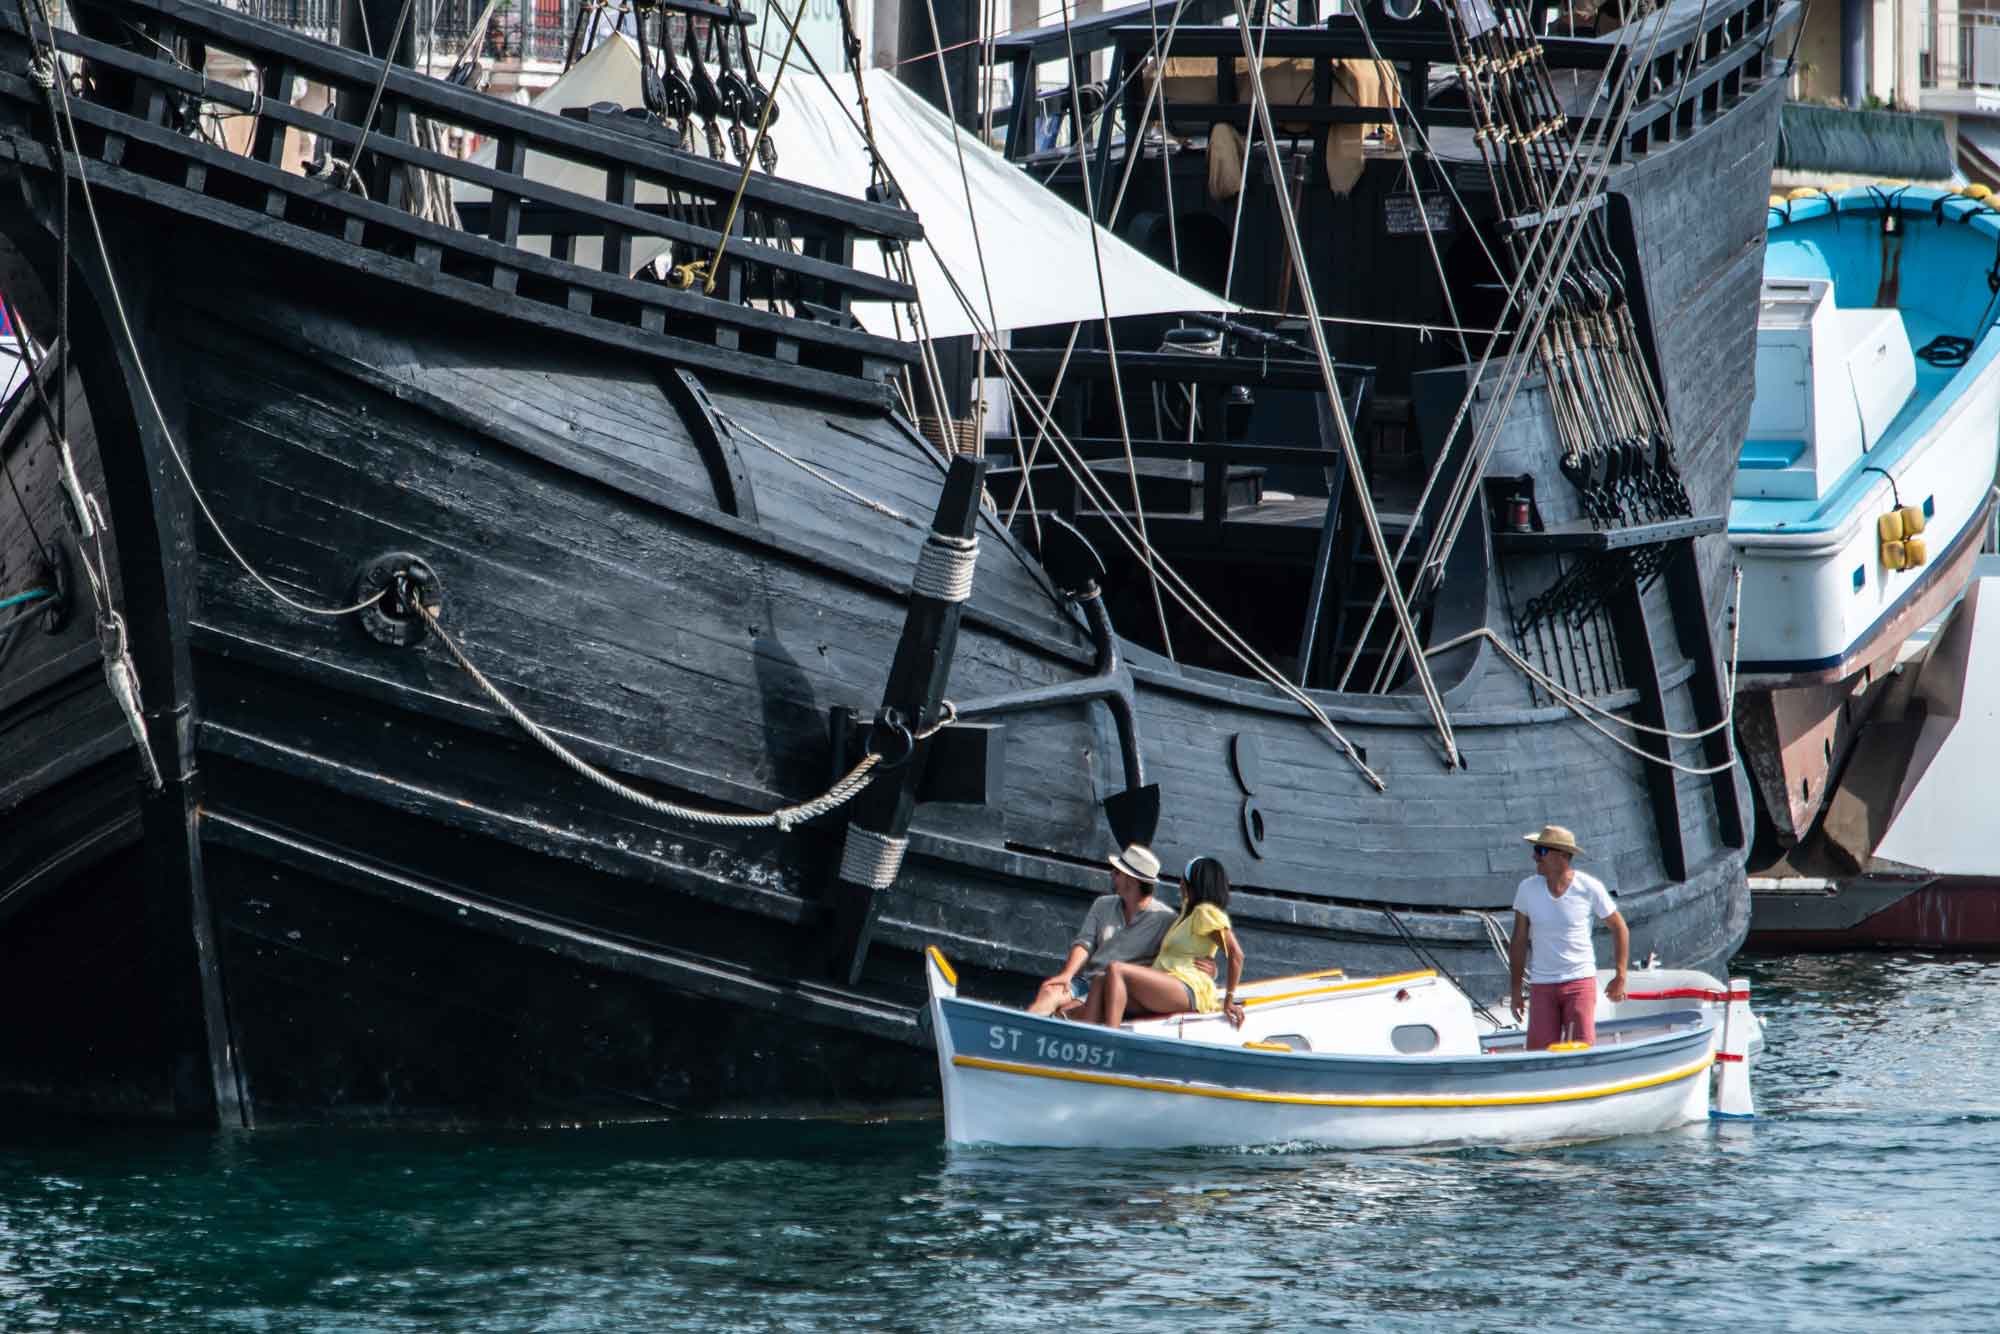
1359,984
1343,1100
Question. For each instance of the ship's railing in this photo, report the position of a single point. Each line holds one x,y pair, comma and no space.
1690,61
783,291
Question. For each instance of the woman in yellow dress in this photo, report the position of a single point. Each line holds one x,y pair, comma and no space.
1173,983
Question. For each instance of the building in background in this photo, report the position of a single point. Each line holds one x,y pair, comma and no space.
1934,58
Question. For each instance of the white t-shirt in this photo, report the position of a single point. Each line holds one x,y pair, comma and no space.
1559,927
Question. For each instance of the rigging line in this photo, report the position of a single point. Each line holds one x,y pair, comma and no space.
41,393
374,98
1371,523
1111,337
1535,313
824,476
750,158
1249,157
1117,203
782,819
1576,700
1135,144
896,257
1425,956
1410,172
1090,487
1420,328
964,176
1041,434
145,381
15,487
30,595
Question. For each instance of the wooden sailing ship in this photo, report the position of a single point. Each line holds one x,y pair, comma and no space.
297,461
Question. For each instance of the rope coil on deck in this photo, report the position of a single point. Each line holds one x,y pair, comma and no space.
871,859
945,567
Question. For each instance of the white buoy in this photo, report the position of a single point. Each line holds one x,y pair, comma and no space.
1732,1091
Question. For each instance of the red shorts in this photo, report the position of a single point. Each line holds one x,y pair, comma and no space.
1562,1012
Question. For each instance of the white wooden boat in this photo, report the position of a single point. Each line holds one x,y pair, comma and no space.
1353,1063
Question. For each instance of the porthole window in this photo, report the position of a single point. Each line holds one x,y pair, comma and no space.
1413,1039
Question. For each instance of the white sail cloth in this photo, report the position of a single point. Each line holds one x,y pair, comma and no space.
1035,248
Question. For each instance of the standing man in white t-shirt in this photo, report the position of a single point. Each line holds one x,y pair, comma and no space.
1553,912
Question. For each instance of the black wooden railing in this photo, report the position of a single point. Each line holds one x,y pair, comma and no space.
781,306
1703,56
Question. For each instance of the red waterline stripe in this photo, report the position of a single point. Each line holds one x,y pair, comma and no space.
1727,1056
1688,993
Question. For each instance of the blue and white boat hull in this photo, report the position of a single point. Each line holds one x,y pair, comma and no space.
1317,1063
1877,411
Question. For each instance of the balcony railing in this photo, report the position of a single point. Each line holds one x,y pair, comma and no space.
1964,54
520,30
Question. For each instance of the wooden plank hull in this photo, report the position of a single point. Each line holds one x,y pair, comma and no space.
397,906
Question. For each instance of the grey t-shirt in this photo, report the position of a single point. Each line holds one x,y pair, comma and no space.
1110,941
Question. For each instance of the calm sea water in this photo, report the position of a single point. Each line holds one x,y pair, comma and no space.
1865,1199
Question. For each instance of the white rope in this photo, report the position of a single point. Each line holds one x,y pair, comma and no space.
781,820
1182,592
1370,521
1536,308
871,859
945,567
1584,708
145,381
820,473
1110,333
123,679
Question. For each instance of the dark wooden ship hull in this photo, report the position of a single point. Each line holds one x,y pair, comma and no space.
364,894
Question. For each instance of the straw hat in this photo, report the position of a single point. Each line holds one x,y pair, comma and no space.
1554,836
1138,862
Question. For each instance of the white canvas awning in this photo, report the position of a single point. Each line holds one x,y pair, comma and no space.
1036,248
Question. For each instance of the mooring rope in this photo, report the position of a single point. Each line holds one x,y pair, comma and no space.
781,820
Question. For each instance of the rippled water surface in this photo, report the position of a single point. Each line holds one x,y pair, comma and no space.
1864,1199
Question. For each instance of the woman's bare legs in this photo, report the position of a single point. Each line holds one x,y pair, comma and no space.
1131,985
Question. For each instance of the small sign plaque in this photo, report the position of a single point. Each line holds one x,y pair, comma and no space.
1400,215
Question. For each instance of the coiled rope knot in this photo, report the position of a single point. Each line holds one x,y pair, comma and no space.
945,567
42,73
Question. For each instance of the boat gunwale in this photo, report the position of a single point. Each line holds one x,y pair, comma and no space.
1702,1026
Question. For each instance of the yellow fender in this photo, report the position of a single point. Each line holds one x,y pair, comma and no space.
1889,528
1913,520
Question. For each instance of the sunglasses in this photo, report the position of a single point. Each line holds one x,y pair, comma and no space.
1543,852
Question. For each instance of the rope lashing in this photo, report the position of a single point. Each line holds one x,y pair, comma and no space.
945,567
871,859
123,679
783,820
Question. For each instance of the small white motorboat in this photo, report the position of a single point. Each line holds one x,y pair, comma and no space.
1351,1063
1866,481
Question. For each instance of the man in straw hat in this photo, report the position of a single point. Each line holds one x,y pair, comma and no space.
1553,911
1126,925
